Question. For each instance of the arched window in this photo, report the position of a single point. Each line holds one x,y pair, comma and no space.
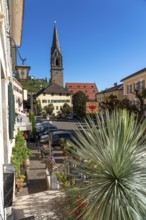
57,62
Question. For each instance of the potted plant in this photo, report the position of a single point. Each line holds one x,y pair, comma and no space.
63,179
20,153
26,157
63,144
20,181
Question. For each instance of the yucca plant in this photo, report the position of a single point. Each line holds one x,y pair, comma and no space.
113,164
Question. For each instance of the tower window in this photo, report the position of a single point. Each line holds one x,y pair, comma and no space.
57,62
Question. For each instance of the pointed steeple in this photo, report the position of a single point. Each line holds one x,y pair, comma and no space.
56,60
55,43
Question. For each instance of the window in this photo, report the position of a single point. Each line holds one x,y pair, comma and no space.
134,87
44,101
138,86
57,62
48,100
142,85
56,107
129,88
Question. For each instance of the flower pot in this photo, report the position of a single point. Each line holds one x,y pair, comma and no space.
26,163
20,183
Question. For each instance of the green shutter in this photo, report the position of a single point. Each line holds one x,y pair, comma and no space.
11,110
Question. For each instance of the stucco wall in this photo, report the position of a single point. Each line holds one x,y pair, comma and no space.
57,100
131,81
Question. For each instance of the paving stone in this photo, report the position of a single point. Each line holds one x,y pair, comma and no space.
35,201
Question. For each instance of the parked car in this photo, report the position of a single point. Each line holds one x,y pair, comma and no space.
39,127
69,117
44,139
46,130
56,136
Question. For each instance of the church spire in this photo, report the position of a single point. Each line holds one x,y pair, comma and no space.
55,42
56,60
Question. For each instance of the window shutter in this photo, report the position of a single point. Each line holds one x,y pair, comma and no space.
11,110
134,87
143,84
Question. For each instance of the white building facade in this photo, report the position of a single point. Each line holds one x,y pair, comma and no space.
11,19
18,95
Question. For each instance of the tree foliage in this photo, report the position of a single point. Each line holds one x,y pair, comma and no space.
79,100
49,109
66,109
138,108
37,107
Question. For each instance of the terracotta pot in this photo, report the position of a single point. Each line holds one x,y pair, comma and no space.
20,183
26,164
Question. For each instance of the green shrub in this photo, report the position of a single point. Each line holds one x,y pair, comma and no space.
113,164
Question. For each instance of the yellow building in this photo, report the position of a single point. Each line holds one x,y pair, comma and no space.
56,95
132,82
116,90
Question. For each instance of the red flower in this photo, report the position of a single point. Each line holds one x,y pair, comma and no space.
77,212
81,204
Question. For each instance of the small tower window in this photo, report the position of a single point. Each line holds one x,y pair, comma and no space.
57,62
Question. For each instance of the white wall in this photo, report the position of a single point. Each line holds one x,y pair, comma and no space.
63,98
5,76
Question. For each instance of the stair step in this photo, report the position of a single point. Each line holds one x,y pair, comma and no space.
59,160
58,154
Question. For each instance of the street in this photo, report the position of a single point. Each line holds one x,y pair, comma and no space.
67,125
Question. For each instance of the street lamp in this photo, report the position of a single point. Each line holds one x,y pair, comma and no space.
22,71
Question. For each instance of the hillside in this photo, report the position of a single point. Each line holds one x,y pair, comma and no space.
34,86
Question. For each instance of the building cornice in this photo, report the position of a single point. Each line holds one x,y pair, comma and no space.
133,75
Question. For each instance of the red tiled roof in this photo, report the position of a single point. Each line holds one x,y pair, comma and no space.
89,89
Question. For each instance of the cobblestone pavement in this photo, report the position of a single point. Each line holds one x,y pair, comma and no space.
34,199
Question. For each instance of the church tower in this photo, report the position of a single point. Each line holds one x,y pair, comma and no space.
56,61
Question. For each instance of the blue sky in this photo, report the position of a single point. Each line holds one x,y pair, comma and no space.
102,41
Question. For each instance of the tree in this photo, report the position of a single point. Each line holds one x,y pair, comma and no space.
79,100
66,109
38,107
111,103
49,109
138,108
112,163
33,122
141,108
